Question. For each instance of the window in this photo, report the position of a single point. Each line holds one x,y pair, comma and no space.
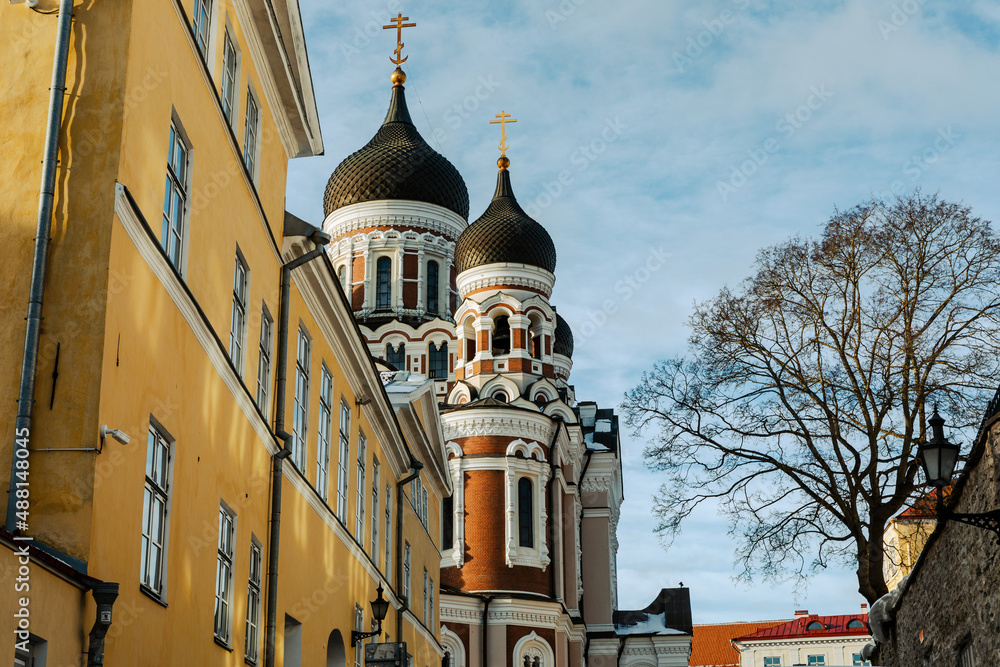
418,498
264,361
175,198
301,412
396,356
250,134
375,515
342,276
251,649
224,575
323,434
388,534
201,24
439,361
501,335
406,570
383,288
426,589
432,287
30,653
856,624
447,523
238,324
525,513
856,659
345,446
230,78
774,661
813,626
430,604
359,524
817,660
154,512
359,625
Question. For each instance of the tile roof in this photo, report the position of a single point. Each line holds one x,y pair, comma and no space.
924,506
712,646
833,626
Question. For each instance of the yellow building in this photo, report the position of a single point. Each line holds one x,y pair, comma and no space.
905,536
257,502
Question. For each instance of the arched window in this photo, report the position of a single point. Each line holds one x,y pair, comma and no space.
815,625
533,651
432,287
439,361
855,624
396,356
500,396
383,288
525,513
501,335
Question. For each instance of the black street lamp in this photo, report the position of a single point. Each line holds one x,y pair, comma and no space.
938,458
380,607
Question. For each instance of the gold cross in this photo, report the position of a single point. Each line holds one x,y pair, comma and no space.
503,116
399,25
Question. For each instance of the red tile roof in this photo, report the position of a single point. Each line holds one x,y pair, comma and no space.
833,626
711,645
924,506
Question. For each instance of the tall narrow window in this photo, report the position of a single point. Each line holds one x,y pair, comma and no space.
430,603
224,575
501,335
525,513
175,198
229,78
359,525
423,513
388,533
264,361
439,361
359,626
383,287
201,24
251,647
375,515
323,433
447,523
406,570
301,411
342,276
396,355
250,134
238,324
427,588
432,287
154,512
342,462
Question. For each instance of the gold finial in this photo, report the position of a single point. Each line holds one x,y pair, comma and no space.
398,77
398,26
503,118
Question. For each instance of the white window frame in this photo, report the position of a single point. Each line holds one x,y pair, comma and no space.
176,199
534,467
388,533
264,361
226,555
300,412
238,322
251,646
426,589
156,501
810,660
202,22
376,518
230,77
359,510
343,459
532,646
430,604
323,429
772,664
359,626
251,135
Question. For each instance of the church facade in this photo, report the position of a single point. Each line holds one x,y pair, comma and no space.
528,538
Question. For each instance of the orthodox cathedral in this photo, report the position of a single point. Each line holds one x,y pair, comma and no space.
528,537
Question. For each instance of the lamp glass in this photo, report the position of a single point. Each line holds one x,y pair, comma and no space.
939,460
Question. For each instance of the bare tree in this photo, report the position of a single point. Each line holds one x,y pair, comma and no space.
802,400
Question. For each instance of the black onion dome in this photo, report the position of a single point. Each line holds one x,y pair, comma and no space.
564,338
397,164
505,233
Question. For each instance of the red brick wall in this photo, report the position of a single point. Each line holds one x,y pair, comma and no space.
409,295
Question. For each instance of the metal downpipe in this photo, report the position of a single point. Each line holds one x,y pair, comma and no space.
29,362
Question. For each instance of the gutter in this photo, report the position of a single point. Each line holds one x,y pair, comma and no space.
46,196
277,461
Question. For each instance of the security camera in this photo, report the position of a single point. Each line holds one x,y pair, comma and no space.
120,436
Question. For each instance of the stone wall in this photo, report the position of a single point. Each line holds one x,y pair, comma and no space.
952,598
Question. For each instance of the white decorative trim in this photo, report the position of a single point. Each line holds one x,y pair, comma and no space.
531,450
505,274
596,484
394,213
533,646
457,550
538,472
452,644
486,421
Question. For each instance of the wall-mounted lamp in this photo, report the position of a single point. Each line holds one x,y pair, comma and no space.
938,458
380,607
362,400
120,436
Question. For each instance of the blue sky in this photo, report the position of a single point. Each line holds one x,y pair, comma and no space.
662,144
